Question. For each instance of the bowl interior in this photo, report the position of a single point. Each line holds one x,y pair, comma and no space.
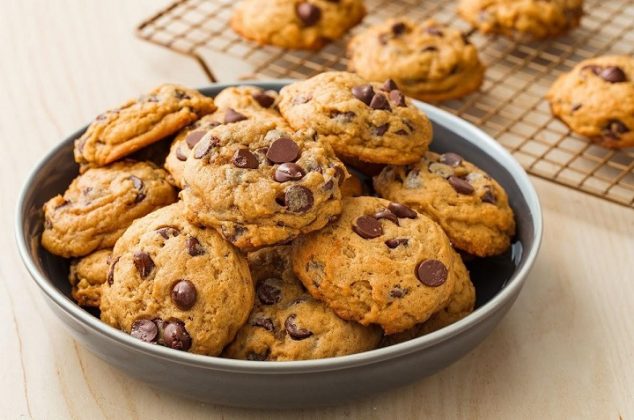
490,275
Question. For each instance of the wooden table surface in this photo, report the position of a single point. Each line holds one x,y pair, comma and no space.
565,350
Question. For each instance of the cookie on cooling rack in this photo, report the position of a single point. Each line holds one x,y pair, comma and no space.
596,100
428,61
532,18
296,24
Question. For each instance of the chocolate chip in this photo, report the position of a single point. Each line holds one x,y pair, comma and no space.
613,74
175,336
367,227
432,273
194,248
258,357
488,197
233,116
329,185
203,149
263,99
143,263
399,28
380,130
268,294
389,85
243,158
308,13
394,243
111,271
340,174
138,185
434,31
614,129
402,211
298,199
288,172
576,107
145,330
167,232
429,48
342,117
460,185
180,155
302,99
451,159
397,292
184,294
283,150
266,323
380,102
398,98
193,138
364,93
387,215
179,94
293,330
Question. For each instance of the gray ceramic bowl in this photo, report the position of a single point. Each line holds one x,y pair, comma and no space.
303,383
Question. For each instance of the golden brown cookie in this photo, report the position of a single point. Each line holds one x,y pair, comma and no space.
288,324
176,284
247,97
87,276
371,122
428,61
259,183
296,24
596,100
470,206
100,204
140,122
380,263
533,18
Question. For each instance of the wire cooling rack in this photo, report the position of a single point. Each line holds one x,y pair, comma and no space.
510,105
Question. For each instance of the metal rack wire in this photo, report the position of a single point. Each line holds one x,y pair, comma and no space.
510,105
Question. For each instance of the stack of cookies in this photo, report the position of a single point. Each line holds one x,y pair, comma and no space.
254,241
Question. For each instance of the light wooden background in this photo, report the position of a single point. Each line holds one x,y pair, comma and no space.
566,349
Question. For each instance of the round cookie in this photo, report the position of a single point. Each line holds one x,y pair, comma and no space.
296,24
87,275
380,263
176,284
370,122
288,324
470,206
428,61
260,184
596,100
140,122
100,204
532,18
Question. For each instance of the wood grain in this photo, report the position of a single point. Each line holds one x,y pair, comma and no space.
565,349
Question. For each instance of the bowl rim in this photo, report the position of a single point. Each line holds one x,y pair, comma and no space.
468,131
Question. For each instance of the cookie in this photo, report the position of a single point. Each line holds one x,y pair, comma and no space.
247,97
296,24
288,324
523,18
460,305
140,122
380,263
87,276
177,284
100,204
261,184
470,206
596,100
371,122
428,61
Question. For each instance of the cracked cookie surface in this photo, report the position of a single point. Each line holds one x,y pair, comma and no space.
100,204
178,285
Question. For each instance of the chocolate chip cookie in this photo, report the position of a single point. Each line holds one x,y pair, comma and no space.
380,263
140,122
247,97
596,100
260,184
296,24
371,122
470,206
288,324
100,204
87,276
177,284
428,61
527,18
